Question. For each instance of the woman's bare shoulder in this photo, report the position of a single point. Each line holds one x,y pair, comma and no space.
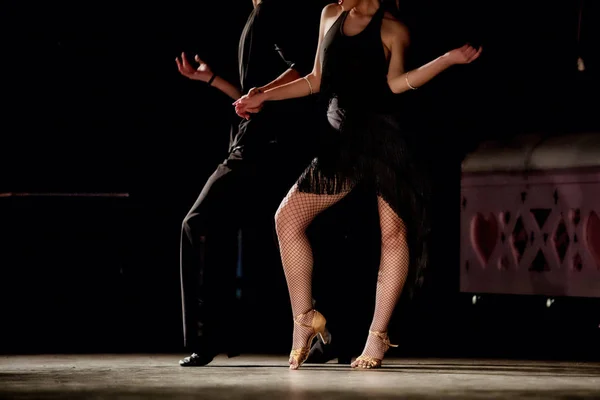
393,28
393,25
331,11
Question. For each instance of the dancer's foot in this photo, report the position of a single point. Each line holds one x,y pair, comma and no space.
377,344
202,359
306,327
196,360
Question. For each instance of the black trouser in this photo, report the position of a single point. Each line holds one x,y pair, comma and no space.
240,193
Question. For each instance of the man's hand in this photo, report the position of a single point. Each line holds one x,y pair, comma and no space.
202,73
254,91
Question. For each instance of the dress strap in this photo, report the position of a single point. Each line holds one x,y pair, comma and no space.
377,19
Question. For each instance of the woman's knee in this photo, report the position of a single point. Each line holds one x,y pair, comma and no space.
282,218
393,235
285,220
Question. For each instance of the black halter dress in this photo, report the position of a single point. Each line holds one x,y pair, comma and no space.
363,140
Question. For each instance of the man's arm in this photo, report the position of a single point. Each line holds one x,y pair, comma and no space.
302,87
204,74
288,76
285,36
226,87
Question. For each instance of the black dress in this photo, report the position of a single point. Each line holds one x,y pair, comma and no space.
363,141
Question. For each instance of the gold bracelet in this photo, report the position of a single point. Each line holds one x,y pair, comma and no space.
309,84
408,83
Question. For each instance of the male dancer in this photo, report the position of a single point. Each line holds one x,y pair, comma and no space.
250,183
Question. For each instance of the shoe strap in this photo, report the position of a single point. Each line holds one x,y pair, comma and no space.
383,336
302,315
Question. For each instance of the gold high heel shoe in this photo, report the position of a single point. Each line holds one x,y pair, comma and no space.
372,362
318,326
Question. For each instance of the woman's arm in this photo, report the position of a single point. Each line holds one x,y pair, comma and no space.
288,76
301,87
401,81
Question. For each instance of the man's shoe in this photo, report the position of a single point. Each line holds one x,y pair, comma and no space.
321,353
196,360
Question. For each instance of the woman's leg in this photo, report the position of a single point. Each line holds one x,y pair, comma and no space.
393,270
296,212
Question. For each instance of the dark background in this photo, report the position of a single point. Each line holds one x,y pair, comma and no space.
93,103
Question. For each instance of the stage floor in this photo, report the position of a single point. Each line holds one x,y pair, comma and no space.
261,377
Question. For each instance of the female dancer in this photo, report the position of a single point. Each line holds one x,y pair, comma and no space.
358,68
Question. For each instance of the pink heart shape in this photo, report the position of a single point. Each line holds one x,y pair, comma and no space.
593,236
484,236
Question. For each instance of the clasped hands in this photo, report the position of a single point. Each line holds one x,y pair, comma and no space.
244,106
250,103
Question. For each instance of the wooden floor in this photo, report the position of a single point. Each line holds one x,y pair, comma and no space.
261,377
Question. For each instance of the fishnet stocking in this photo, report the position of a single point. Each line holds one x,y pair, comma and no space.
296,212
393,271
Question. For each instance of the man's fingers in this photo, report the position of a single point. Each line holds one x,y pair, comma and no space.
185,62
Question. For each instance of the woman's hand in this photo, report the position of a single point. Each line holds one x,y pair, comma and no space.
250,103
463,55
202,73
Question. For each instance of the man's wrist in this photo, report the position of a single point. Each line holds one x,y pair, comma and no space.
212,79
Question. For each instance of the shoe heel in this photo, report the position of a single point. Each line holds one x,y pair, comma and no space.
319,323
324,338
